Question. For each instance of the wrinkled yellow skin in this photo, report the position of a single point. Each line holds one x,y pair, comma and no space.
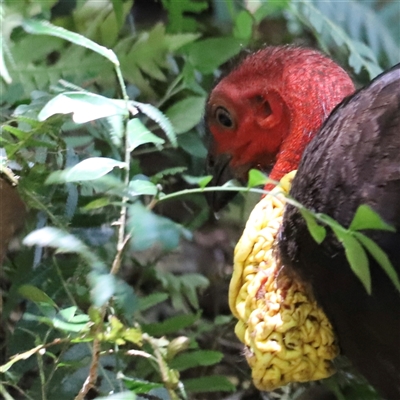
288,338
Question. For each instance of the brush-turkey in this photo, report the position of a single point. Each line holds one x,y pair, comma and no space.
268,113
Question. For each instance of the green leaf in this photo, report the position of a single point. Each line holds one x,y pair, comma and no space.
167,172
270,7
179,20
318,232
174,42
190,284
98,203
119,12
103,287
126,298
195,358
138,134
207,55
148,229
133,335
380,257
201,181
67,321
170,325
151,300
192,144
366,218
68,313
63,241
356,256
45,28
205,181
186,114
85,107
34,294
87,170
138,187
140,386
256,178
243,26
215,383
157,116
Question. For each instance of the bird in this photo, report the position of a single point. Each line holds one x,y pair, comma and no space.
264,112
290,108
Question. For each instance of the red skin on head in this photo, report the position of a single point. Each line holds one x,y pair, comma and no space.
277,99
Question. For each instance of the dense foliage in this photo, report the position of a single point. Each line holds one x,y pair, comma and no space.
107,295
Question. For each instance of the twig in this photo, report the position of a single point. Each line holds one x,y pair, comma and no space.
92,377
116,265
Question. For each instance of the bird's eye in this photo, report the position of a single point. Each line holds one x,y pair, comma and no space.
223,117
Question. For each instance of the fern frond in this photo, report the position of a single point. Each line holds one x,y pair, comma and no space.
364,24
145,57
41,77
327,31
158,117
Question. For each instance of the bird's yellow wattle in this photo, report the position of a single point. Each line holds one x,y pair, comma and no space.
288,337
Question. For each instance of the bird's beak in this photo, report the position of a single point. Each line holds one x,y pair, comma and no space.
219,168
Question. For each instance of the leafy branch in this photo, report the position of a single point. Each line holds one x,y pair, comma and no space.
356,244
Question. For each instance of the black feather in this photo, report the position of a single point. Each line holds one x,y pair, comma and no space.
354,160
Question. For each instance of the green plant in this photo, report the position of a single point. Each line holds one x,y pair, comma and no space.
103,122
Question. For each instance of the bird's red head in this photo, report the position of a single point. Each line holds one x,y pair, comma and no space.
267,109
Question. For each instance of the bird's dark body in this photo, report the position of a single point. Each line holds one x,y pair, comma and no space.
354,160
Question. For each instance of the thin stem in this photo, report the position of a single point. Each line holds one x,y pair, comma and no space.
4,393
41,375
92,377
66,289
122,239
170,91
121,82
121,242
17,388
210,189
43,207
